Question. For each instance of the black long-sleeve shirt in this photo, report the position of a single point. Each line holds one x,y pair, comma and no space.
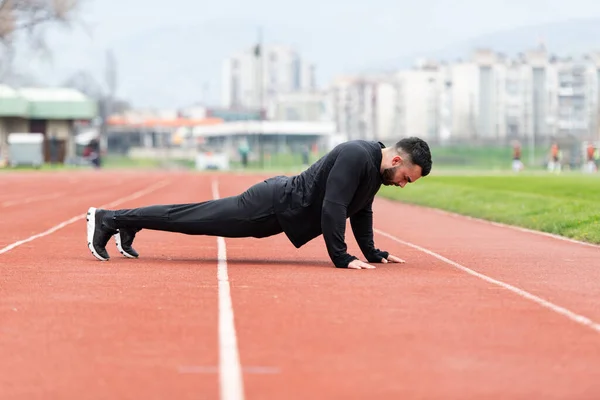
341,185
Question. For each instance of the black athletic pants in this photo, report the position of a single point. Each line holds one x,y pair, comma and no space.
249,214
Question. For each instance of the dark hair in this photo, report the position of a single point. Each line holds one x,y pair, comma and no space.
419,152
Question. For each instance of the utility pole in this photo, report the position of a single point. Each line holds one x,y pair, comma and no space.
535,119
205,94
258,54
108,98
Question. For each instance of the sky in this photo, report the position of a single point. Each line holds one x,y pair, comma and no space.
150,36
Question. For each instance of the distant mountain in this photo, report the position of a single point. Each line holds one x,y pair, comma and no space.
566,38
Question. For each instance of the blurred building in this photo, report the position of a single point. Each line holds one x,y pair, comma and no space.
268,137
576,97
53,112
253,78
300,106
199,111
516,99
145,131
364,106
418,94
487,98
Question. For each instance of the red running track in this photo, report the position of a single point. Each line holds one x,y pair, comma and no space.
478,311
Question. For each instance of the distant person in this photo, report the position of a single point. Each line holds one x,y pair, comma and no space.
517,164
341,185
591,166
243,150
92,153
305,155
554,163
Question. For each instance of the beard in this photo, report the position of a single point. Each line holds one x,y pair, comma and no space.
388,175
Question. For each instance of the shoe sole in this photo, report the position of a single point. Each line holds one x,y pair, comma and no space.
120,247
91,227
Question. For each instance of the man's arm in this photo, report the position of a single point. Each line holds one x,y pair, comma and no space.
343,181
362,227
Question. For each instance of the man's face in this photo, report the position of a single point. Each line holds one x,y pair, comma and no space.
401,173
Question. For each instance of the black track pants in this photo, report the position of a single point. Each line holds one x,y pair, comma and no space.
249,214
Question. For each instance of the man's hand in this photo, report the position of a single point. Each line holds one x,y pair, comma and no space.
357,264
392,259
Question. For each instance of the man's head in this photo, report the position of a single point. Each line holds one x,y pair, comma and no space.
407,161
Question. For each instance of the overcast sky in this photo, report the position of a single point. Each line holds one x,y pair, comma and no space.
365,32
455,19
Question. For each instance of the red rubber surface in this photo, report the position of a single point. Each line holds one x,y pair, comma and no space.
72,327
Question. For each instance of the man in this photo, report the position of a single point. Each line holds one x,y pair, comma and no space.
340,185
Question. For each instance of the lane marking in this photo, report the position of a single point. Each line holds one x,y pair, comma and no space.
211,369
503,225
230,371
55,228
519,228
580,319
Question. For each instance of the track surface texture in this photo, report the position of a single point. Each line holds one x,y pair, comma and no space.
478,310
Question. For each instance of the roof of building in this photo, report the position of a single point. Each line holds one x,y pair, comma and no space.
147,122
7,92
46,103
52,94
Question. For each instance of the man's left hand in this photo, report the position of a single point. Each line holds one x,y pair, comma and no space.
392,259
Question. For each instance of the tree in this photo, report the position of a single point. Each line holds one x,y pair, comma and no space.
104,95
29,18
29,15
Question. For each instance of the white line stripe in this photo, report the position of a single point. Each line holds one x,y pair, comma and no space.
230,371
506,226
580,319
81,216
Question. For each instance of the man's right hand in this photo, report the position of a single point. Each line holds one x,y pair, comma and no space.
357,264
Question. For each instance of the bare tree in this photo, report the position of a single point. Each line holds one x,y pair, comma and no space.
28,18
84,82
19,15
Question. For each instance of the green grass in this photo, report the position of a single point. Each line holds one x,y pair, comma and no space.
45,167
565,204
274,162
110,162
117,161
483,157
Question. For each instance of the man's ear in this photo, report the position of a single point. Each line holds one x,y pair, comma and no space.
396,160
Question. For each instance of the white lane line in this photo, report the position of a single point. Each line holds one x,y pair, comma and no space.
580,319
516,228
211,369
230,371
503,225
133,196
28,200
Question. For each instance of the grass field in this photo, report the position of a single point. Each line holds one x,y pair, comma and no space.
566,204
483,158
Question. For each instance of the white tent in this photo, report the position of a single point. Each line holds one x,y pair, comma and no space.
86,136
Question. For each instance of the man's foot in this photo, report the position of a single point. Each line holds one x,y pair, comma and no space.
98,234
124,238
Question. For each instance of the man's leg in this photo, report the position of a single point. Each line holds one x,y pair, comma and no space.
249,214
